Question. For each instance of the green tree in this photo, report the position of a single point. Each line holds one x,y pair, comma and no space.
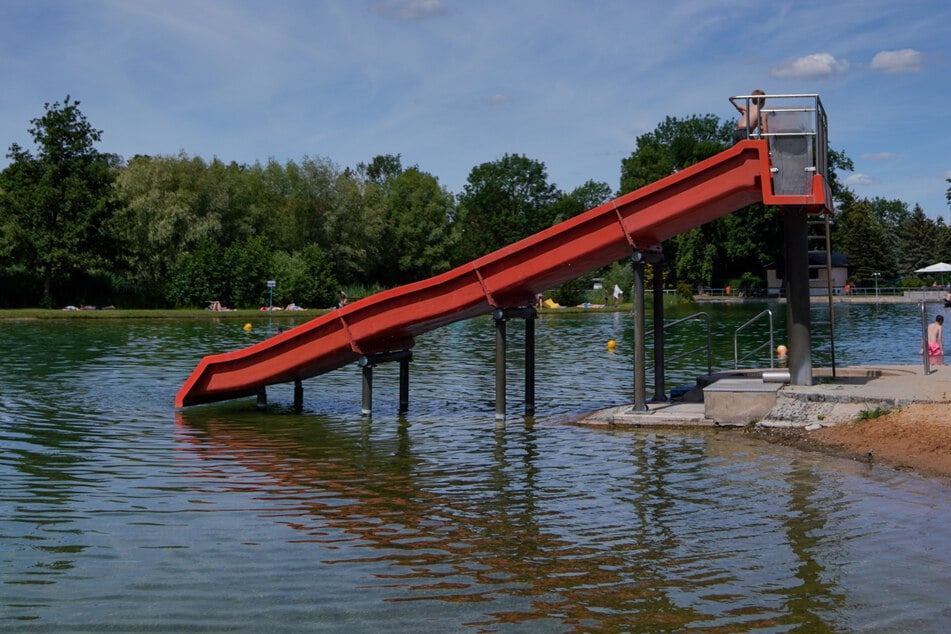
701,254
502,202
382,169
581,199
865,241
920,240
304,277
55,204
200,276
672,146
234,274
353,229
167,210
891,213
416,240
839,162
696,255
296,202
752,239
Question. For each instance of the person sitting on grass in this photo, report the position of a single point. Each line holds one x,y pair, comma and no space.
215,305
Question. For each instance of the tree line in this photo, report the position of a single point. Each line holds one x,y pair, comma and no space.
78,226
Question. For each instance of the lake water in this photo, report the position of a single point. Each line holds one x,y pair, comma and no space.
119,513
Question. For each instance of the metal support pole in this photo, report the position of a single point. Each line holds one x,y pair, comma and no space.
925,357
501,315
367,363
262,398
367,407
640,354
499,318
404,385
298,395
530,364
659,371
797,295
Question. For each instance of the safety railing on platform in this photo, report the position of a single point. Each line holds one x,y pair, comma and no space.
796,127
736,341
708,346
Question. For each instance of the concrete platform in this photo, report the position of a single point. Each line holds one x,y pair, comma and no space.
739,401
730,401
657,415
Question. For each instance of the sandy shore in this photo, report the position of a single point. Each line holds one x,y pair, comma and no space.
916,437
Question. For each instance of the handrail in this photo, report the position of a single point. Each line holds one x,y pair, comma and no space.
777,104
708,346
736,337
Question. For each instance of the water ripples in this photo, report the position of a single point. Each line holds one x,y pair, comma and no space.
120,513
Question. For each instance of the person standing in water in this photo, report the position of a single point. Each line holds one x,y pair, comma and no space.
935,337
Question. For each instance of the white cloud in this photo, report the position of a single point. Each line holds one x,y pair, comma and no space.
408,9
497,100
879,156
815,66
859,179
907,60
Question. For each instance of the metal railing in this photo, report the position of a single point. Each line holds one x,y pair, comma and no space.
790,116
925,357
736,340
708,347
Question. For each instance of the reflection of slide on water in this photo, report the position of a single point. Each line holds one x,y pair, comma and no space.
509,277
358,499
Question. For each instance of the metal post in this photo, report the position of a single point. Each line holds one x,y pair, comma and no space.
499,317
270,294
367,408
530,364
925,357
659,371
298,395
404,385
367,362
262,398
797,295
640,354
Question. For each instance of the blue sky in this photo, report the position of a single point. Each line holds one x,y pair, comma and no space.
451,84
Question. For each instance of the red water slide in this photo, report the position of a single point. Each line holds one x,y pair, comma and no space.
509,277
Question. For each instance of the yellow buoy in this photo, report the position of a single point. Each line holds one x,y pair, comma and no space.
612,344
247,327
781,351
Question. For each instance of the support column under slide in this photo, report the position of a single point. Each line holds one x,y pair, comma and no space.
796,279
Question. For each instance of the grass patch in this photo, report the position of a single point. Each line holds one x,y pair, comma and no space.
869,414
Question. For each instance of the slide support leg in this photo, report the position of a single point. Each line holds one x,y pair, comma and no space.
298,395
796,276
640,353
530,364
367,362
659,370
500,347
366,407
500,316
404,385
